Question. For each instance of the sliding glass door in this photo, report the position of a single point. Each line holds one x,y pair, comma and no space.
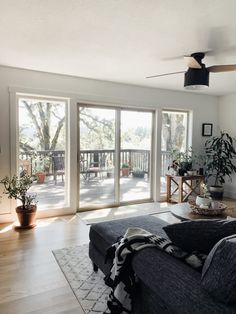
114,157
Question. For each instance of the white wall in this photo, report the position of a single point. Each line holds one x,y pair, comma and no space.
203,107
227,122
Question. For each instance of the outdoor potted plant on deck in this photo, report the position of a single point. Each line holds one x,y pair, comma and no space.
138,173
220,158
110,168
41,164
125,170
17,188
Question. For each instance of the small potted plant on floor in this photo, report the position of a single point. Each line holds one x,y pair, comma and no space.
125,170
220,162
17,188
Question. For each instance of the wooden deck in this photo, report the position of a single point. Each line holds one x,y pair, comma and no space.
94,191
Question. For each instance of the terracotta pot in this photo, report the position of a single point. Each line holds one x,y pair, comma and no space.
125,172
40,177
26,218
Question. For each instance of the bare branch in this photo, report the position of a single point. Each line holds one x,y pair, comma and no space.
34,118
58,130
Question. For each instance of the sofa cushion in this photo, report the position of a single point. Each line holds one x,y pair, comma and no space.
200,235
104,234
176,283
219,271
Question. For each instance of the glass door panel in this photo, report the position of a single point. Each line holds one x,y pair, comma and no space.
135,155
97,156
42,149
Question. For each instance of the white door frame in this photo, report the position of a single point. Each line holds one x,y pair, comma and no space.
15,94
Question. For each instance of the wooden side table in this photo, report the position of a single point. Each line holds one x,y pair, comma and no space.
184,185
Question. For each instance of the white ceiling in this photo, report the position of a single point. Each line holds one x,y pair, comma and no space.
120,40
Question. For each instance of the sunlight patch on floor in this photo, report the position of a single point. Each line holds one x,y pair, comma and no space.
107,214
7,228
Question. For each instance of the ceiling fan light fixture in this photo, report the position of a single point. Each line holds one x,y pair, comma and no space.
196,87
196,79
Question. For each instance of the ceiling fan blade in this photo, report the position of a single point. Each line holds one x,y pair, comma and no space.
192,62
222,68
165,74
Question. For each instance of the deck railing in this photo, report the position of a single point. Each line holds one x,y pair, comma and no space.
165,162
135,158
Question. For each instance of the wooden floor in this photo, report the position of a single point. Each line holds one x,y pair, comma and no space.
30,280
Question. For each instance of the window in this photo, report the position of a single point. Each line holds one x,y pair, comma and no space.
174,136
42,148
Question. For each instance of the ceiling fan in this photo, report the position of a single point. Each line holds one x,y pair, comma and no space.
197,75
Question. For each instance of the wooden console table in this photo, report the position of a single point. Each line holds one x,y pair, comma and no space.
184,185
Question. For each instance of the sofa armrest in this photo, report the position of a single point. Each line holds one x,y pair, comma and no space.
176,283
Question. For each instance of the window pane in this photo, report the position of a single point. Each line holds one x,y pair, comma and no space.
135,155
173,137
42,149
97,156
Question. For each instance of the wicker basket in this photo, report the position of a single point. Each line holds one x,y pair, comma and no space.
209,211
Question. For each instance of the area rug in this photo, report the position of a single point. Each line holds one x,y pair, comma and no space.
108,214
88,286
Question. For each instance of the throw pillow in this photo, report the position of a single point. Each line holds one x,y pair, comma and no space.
219,271
199,235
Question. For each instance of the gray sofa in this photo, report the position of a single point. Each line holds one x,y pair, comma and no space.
166,284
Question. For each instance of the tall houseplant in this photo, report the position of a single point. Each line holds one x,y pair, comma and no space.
17,188
220,158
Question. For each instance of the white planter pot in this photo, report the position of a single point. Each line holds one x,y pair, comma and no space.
202,201
192,172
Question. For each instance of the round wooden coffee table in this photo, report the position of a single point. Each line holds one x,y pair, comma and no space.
183,212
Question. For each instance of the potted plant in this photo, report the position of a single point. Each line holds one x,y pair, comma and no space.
110,169
17,188
125,170
205,198
183,160
138,173
220,157
41,164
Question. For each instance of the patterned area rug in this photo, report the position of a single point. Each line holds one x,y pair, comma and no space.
88,286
